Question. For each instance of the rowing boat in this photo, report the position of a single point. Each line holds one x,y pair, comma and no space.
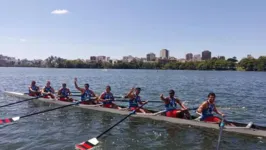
241,128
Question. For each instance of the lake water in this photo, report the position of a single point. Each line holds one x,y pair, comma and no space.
240,95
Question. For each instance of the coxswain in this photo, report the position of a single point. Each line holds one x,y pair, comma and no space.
135,100
34,90
64,93
206,108
107,98
171,106
48,91
86,94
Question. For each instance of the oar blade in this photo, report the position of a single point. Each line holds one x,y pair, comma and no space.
87,144
9,120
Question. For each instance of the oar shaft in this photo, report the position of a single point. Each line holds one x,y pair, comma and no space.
20,101
220,134
120,121
47,110
128,101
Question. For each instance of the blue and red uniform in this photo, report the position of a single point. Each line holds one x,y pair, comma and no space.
46,90
86,97
109,98
207,114
35,89
171,108
64,94
134,103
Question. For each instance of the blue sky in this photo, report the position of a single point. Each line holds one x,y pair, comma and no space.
116,28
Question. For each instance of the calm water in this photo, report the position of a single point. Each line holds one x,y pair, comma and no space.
240,95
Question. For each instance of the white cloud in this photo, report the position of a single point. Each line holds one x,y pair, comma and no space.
11,38
22,40
16,39
60,11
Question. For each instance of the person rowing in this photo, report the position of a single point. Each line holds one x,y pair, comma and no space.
48,91
64,93
107,98
171,106
34,90
86,94
135,100
207,107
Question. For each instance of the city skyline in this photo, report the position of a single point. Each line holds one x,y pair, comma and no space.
71,30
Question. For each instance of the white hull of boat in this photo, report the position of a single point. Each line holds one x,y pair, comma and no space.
247,131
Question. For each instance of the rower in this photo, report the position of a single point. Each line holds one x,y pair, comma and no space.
86,94
171,106
135,100
64,93
34,90
107,98
206,109
48,91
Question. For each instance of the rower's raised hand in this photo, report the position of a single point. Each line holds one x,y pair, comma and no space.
161,96
75,79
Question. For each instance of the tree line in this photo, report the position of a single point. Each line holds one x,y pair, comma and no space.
246,64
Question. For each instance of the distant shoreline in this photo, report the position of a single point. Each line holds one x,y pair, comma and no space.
236,70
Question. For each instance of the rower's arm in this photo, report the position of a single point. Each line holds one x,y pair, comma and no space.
101,98
59,92
43,90
179,102
92,93
69,92
30,89
163,98
53,90
201,107
130,93
77,87
218,112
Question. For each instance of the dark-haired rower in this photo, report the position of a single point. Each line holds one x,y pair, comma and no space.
107,98
171,106
206,109
48,91
86,93
34,90
135,100
64,93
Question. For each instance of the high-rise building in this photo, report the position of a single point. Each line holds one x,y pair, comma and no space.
128,58
164,53
206,55
93,58
189,56
151,57
221,57
250,56
197,57
101,58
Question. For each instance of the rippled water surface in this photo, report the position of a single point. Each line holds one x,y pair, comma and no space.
240,95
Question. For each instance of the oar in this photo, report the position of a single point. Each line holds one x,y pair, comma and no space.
8,120
220,133
21,101
159,112
94,141
114,96
122,100
249,125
